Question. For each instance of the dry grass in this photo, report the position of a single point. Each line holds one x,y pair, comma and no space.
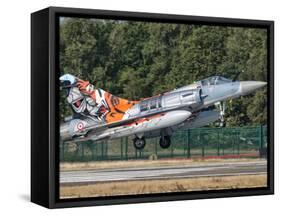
67,166
163,186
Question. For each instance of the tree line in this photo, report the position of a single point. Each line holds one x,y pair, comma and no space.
140,59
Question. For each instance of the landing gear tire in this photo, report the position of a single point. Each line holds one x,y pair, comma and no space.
139,143
165,142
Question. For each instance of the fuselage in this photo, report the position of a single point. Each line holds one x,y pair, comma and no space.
160,114
197,96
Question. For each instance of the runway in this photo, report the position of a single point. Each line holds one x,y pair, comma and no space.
82,177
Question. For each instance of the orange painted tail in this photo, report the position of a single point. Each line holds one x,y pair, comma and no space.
117,107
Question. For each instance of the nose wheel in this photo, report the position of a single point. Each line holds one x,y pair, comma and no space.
139,143
165,142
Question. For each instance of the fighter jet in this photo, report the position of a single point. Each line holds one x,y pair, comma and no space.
99,115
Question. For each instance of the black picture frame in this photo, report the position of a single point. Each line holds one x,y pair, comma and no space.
45,99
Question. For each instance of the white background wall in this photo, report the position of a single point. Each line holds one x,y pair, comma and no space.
15,106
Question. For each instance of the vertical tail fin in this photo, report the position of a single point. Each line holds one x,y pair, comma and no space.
117,106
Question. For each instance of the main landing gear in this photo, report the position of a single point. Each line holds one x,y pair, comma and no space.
139,143
165,142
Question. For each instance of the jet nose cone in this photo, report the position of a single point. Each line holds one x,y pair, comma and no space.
247,87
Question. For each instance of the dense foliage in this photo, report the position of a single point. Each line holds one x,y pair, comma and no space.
139,59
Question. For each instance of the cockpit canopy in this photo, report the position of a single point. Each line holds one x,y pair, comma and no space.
215,80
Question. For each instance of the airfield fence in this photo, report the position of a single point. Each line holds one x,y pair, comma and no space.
187,143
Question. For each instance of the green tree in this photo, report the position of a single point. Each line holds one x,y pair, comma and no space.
140,59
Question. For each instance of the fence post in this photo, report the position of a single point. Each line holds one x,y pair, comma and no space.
172,150
188,143
261,150
96,150
82,148
218,143
238,141
184,143
261,137
233,143
121,145
155,146
126,148
62,151
202,143
102,154
223,131
92,150
105,150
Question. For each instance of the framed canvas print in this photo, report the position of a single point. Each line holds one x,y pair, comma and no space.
139,107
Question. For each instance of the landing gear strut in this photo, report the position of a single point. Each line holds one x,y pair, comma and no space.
139,143
165,142
222,113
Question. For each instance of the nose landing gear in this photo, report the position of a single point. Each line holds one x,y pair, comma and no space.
222,113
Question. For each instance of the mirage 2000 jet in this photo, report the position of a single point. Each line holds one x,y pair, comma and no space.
99,115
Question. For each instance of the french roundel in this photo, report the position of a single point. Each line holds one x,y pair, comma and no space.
80,126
